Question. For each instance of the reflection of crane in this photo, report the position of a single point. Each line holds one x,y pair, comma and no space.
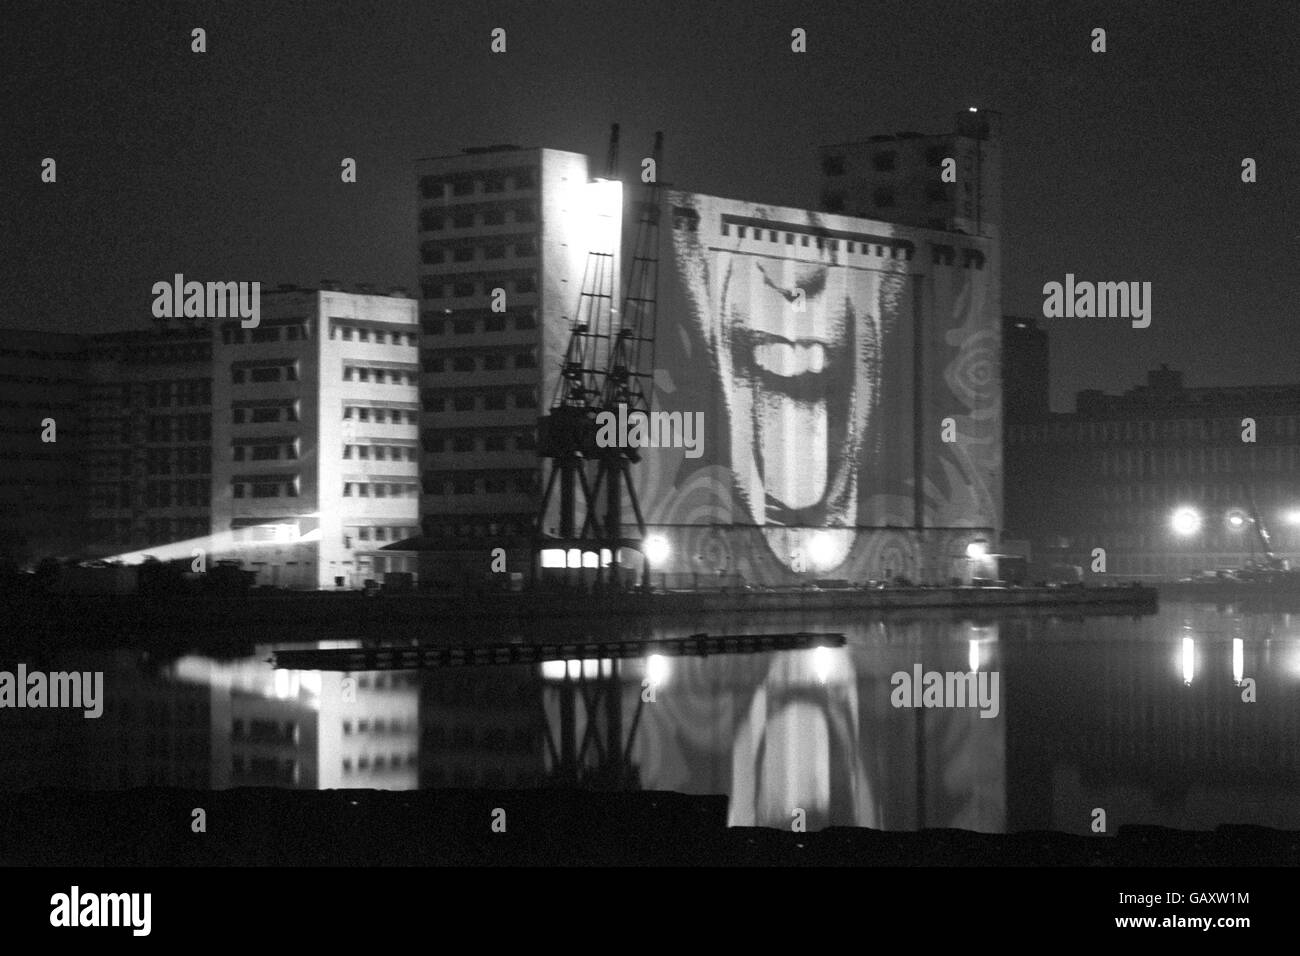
1260,536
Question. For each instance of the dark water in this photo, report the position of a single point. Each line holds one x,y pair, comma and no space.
1143,718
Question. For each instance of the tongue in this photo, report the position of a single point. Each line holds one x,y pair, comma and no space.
792,445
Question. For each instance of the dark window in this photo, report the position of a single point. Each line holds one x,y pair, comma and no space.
464,254
463,443
462,187
431,187
525,320
525,285
432,255
431,220
494,443
463,327
525,360
462,289
266,414
494,362
494,251
432,363
462,486
494,323
463,363
525,400
525,214
524,249
463,403
462,220
884,162
525,441
494,217
833,165
494,401
884,196
429,288
524,179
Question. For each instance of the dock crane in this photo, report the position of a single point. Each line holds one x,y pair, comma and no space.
566,435
629,380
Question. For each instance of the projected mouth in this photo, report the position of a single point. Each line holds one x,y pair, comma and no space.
788,359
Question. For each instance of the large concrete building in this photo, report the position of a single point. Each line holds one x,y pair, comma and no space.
1162,479
314,432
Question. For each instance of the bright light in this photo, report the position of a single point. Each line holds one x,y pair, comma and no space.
974,655
1186,521
656,669
591,669
575,669
656,549
1238,659
1293,517
575,557
1236,518
1189,660
822,549
553,558
977,550
822,664
973,110
553,670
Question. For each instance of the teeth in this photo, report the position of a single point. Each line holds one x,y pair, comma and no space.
787,360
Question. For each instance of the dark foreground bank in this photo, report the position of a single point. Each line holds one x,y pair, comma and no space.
268,827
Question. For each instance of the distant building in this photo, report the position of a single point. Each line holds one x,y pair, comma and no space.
315,465
148,441
41,378
898,178
1113,474
1025,395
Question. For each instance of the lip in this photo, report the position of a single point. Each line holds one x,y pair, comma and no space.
797,382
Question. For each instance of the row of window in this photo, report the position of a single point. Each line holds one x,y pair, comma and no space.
433,219
288,372
238,335
743,232
1228,493
379,763
478,526
438,442
391,416
380,452
152,355
491,361
379,376
1203,429
1136,463
885,196
178,428
488,483
380,489
276,488
486,181
463,401
349,332
437,324
883,161
264,451
438,287
378,533
379,725
180,461
260,414
433,254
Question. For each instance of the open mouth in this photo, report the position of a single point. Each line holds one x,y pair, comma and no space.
797,369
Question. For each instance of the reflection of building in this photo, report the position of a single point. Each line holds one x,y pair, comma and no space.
149,439
41,377
483,729
1112,473
898,178
315,430
502,248
369,730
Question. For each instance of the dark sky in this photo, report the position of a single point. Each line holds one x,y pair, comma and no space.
1119,166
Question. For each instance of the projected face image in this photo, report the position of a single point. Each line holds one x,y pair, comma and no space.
795,336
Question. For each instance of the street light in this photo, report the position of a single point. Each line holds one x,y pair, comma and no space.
656,549
1186,522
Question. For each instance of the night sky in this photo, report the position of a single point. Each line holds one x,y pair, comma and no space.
225,165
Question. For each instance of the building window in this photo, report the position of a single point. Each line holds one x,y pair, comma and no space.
463,220
463,254
884,162
884,196
462,290
525,360
495,217
463,363
494,401
463,403
525,400
494,251
525,321
526,284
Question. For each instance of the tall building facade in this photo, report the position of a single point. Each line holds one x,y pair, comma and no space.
504,236
315,425
1114,474
1025,369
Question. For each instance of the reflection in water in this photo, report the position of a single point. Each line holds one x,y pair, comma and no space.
1184,719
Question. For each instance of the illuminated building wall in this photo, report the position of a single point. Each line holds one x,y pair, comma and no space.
846,373
521,221
314,435
369,730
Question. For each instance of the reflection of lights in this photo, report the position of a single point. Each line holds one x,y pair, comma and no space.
575,669
821,662
553,558
1236,518
656,549
1238,659
977,549
656,669
591,669
1186,521
575,558
1189,660
974,655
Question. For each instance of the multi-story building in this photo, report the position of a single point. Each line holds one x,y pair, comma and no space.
1164,479
1025,394
504,237
315,435
41,378
898,178
148,405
